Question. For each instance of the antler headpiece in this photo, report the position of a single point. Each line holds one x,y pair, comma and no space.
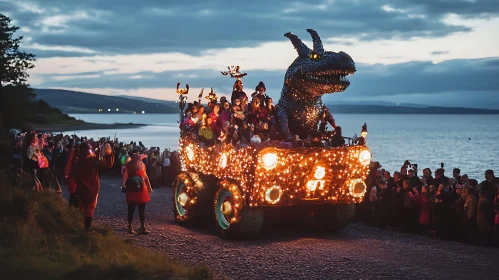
182,90
234,72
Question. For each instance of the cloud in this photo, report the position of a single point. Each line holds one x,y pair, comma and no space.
174,26
459,79
439,52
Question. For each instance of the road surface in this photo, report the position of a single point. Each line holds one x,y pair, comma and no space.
356,252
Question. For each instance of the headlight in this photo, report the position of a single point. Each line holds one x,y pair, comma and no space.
365,157
273,194
269,160
357,188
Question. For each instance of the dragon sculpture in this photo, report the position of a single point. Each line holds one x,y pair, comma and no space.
313,73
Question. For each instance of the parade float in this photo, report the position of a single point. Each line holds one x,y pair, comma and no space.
235,183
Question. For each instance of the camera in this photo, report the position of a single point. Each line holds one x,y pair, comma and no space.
442,165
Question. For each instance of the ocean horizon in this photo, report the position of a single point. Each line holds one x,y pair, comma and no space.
468,142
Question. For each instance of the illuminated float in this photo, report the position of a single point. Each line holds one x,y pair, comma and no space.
234,184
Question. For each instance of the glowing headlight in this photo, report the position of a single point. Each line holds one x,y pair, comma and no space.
320,172
223,161
190,152
357,187
273,194
269,161
365,157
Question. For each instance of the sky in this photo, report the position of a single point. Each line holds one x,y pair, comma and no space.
433,52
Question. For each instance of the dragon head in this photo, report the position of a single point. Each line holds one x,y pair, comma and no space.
316,72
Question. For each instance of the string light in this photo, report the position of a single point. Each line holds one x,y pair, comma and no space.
334,175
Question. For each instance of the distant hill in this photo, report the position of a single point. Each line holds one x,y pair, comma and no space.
74,102
379,109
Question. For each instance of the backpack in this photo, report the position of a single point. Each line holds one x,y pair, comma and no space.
134,184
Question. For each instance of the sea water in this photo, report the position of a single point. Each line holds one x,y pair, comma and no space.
470,142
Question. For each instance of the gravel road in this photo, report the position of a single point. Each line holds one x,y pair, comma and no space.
356,252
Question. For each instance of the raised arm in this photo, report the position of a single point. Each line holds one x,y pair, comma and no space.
107,160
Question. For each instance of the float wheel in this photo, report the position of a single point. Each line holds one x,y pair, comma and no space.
339,216
233,217
192,198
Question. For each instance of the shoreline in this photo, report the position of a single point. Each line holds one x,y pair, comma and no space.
87,126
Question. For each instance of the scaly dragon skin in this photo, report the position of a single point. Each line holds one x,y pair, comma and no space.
313,73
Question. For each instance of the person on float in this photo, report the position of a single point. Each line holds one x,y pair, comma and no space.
260,93
237,91
238,115
200,115
191,113
86,173
264,131
224,116
212,101
213,115
337,140
136,171
256,113
206,134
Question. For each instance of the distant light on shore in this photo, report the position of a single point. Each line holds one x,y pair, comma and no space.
109,110
143,112
117,109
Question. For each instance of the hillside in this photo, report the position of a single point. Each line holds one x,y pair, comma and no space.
72,102
380,109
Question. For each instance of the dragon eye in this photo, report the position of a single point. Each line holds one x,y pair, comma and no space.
314,56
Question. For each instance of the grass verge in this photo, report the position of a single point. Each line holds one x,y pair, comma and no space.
42,238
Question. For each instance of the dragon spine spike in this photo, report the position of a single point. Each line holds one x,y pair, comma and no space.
300,47
318,47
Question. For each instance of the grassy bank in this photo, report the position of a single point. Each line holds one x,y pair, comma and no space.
41,238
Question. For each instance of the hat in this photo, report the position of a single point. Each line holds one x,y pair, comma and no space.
212,95
260,85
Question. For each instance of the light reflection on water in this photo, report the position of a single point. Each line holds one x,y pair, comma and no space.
426,140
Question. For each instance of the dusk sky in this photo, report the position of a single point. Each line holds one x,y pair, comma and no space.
440,52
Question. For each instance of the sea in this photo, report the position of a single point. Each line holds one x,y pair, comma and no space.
469,142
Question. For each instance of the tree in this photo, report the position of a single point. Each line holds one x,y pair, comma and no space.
14,63
16,97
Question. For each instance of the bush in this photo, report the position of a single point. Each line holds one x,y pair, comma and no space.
42,238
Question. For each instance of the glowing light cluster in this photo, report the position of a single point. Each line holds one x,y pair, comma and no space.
269,160
365,157
324,174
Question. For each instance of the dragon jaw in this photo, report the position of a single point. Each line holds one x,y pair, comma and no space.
317,72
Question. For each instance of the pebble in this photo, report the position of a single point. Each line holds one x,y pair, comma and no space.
356,252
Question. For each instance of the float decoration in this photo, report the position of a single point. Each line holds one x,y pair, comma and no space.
248,178
234,72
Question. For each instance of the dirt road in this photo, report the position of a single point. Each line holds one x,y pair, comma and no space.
357,252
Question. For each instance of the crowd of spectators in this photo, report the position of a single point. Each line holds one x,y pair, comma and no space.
455,207
51,153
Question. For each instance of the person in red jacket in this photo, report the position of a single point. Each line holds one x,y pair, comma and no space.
86,175
70,178
134,170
